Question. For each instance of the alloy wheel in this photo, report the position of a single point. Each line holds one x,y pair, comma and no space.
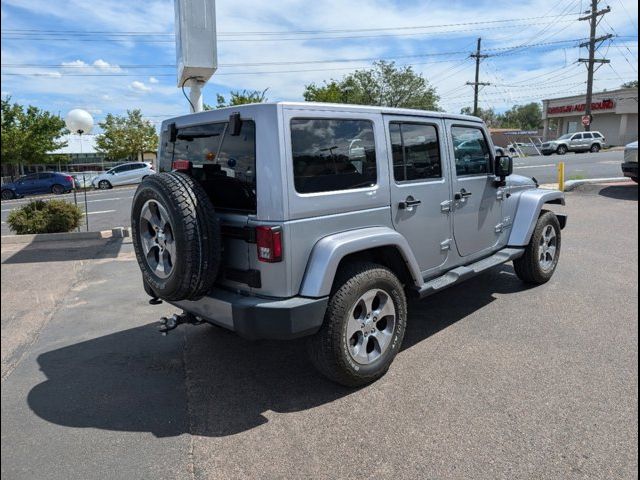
370,326
156,238
548,248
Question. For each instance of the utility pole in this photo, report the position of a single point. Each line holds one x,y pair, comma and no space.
477,84
593,44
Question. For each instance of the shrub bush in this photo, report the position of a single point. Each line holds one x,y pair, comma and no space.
53,216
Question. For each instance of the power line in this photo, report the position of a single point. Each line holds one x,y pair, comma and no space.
137,39
231,65
297,32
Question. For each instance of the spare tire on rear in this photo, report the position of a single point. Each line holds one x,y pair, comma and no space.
176,236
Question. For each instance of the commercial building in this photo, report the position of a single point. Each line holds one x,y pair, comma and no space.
615,115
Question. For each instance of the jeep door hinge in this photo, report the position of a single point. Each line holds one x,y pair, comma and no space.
446,245
500,194
499,227
445,207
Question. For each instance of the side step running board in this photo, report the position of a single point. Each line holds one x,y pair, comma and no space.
463,273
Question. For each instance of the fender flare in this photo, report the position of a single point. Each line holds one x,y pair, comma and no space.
329,251
527,212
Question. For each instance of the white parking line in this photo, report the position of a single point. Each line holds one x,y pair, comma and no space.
103,211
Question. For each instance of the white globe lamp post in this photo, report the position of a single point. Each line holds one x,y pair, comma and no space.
80,121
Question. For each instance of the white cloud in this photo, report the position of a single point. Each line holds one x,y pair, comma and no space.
138,86
153,80
106,66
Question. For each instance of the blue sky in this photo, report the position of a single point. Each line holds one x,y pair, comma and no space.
110,56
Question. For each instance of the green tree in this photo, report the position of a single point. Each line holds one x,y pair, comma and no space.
524,117
385,84
239,98
489,115
125,137
632,84
29,134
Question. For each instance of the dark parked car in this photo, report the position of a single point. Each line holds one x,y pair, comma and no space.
34,183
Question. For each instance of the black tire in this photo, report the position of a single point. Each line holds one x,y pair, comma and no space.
595,148
328,348
528,266
562,150
195,230
104,185
8,195
57,189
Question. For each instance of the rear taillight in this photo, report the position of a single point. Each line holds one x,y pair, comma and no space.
181,165
269,242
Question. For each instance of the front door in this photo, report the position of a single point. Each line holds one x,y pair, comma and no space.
420,189
477,209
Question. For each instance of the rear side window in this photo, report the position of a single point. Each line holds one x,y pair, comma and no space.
597,135
332,154
471,151
416,151
225,165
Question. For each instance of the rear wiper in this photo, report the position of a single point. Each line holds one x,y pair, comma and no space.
192,136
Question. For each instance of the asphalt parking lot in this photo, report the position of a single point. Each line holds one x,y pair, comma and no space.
495,379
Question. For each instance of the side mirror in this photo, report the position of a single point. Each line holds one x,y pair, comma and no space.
235,124
503,166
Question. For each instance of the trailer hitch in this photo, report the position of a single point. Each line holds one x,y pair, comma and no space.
169,323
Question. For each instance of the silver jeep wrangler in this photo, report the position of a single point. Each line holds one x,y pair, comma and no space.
286,220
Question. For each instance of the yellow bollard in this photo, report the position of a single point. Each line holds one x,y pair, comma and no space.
561,176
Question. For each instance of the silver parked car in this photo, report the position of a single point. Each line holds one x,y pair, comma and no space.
575,142
294,220
125,174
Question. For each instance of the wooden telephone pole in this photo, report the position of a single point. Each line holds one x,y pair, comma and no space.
477,84
593,44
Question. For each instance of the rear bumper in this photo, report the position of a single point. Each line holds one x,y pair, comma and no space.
259,318
630,169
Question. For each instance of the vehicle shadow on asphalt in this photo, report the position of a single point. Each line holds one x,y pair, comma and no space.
136,380
66,251
621,192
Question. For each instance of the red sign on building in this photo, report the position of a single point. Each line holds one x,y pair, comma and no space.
581,107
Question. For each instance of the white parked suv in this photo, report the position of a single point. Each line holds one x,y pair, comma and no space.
125,174
575,142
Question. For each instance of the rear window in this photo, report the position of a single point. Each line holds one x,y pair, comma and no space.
225,165
332,154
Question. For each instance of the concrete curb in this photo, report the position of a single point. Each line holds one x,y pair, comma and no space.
119,232
573,184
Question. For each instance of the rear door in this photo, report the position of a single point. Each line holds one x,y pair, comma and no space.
225,166
420,187
477,206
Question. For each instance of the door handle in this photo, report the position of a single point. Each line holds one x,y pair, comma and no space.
409,204
462,194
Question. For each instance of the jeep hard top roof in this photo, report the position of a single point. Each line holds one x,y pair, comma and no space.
317,106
